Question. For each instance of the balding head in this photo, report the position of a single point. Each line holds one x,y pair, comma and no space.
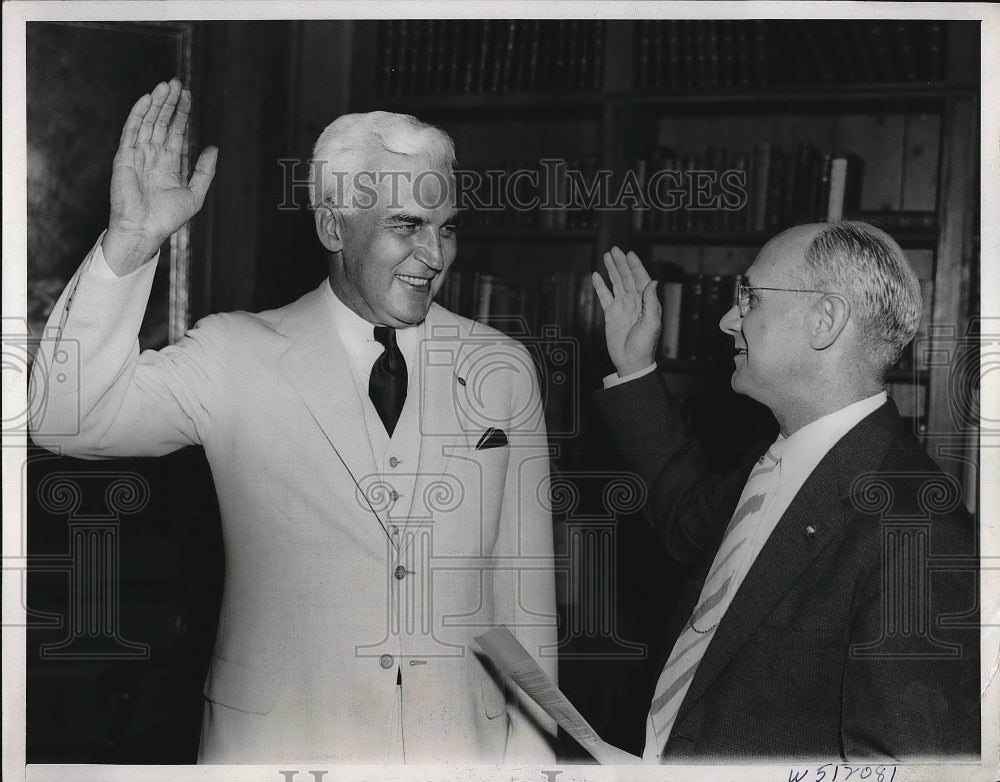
867,267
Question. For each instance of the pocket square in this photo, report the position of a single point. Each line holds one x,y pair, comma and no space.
492,438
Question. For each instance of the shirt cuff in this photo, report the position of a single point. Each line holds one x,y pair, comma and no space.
614,380
99,264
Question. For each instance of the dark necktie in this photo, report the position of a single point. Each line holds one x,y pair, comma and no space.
387,384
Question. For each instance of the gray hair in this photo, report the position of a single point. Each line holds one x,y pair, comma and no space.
350,144
868,267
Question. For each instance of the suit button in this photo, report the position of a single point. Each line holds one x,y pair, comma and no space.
399,572
394,495
393,461
386,661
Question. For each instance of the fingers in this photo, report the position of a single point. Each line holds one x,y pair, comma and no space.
159,96
650,304
131,130
178,125
603,294
166,112
616,279
204,172
639,272
624,271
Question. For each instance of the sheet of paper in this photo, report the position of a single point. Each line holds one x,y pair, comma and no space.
515,661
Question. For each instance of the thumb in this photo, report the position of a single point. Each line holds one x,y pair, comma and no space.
204,172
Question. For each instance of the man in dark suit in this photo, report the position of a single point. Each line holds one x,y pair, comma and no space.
811,625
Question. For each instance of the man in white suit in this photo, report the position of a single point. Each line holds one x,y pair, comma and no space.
381,463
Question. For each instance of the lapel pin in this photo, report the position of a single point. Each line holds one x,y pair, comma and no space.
461,380
810,531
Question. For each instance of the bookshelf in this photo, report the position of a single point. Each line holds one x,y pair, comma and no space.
896,100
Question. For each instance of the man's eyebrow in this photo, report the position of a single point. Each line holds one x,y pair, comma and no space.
405,217
418,220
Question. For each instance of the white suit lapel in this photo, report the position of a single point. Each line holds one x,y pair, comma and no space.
318,367
440,392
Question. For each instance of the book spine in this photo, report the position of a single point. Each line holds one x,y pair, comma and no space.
673,55
838,186
387,54
639,215
737,220
711,312
727,62
713,59
776,177
880,44
862,51
935,52
597,58
691,316
848,70
484,297
572,32
643,52
482,83
671,293
760,53
904,49
415,62
744,37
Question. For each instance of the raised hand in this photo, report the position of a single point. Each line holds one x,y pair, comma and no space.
149,199
631,312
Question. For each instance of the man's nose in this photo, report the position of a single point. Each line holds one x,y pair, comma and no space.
730,322
428,251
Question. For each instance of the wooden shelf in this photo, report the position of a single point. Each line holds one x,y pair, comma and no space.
880,97
907,238
565,104
562,235
721,100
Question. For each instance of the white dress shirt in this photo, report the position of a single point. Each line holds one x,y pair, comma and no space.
799,454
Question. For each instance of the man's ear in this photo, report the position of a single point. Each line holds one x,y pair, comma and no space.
830,316
330,228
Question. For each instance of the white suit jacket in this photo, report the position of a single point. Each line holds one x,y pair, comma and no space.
333,580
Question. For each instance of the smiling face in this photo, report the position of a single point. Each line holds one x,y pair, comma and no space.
390,259
772,356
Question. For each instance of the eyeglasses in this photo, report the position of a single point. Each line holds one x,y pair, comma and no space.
746,294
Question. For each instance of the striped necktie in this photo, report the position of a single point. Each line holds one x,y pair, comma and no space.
720,586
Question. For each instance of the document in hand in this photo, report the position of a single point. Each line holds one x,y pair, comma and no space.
515,661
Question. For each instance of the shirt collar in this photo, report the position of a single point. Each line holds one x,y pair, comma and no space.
357,333
803,450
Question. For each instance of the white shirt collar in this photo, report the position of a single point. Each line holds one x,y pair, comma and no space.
803,450
358,335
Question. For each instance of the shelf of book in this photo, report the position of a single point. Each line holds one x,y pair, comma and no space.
791,106
573,104
558,235
908,239
870,97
